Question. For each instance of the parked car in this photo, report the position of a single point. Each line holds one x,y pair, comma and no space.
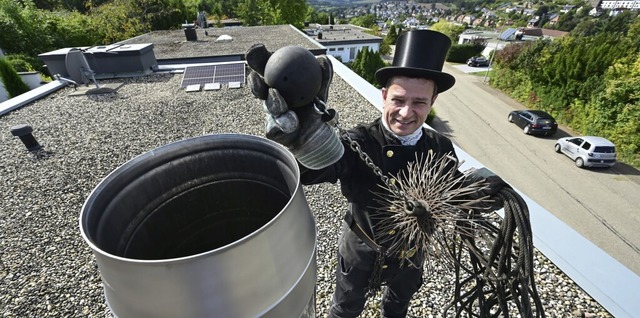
478,61
588,151
534,122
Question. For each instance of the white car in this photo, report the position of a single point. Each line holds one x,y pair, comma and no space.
588,151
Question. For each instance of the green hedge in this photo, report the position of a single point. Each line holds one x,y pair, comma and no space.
25,63
588,83
459,53
11,80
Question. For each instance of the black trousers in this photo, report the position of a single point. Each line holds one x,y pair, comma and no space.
355,265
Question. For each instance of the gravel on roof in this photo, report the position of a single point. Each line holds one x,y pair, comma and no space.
47,270
173,44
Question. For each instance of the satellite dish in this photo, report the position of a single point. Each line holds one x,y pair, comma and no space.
81,73
78,67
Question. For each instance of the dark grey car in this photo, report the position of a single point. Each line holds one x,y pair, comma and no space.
478,61
534,122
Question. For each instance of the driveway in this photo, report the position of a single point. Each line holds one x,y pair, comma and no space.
470,69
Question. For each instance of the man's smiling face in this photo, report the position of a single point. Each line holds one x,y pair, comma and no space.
407,103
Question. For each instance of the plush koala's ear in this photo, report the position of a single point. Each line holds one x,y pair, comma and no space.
327,76
259,88
257,56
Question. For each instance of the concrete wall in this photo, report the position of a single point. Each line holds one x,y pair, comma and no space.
3,93
348,52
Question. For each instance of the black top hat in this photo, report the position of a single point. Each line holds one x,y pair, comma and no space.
420,53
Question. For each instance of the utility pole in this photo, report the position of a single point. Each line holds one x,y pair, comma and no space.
491,61
504,36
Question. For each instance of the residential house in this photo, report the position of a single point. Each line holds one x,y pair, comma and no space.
625,4
344,40
596,12
554,18
533,22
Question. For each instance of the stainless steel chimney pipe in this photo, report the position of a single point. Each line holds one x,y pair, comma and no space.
213,226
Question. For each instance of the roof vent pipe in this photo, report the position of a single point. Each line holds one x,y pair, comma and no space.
24,133
190,33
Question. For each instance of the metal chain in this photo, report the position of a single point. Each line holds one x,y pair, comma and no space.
322,109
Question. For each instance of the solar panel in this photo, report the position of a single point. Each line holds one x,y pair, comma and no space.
219,73
230,73
507,34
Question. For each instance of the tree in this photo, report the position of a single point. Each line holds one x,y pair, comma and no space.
229,7
72,29
123,19
586,28
22,62
66,5
506,58
193,7
291,12
613,111
449,29
217,13
392,35
250,12
366,64
356,64
315,16
385,48
583,12
19,28
120,20
567,22
373,62
620,23
365,21
11,80
161,14
29,31
542,10
460,53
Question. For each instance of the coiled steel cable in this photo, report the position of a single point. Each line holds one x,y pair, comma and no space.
491,273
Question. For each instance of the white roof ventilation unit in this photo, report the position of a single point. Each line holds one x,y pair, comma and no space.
224,38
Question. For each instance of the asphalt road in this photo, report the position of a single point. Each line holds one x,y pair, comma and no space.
603,205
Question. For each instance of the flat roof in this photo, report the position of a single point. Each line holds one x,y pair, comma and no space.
342,33
172,44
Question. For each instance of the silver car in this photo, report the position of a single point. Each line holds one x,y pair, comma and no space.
588,151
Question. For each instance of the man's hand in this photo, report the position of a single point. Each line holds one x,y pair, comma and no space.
303,128
490,184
